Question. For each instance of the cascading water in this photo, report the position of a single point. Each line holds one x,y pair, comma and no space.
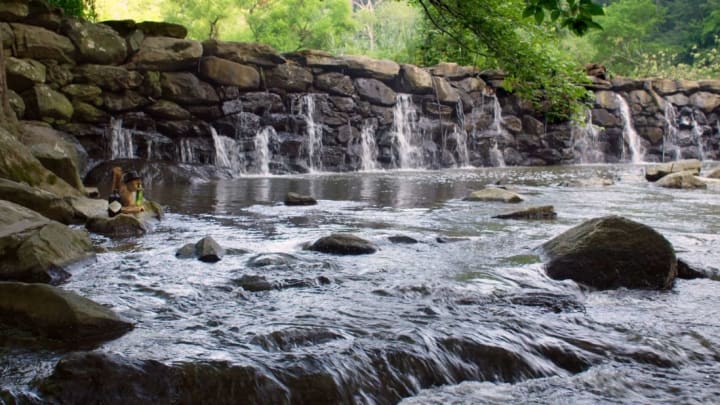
496,155
187,155
262,150
584,140
630,136
461,137
697,132
406,137
227,153
670,138
368,159
121,142
313,145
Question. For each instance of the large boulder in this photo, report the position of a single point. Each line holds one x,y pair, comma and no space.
119,226
415,80
444,92
186,88
39,43
542,212
205,250
18,164
34,248
289,77
44,103
612,252
40,201
363,66
56,314
656,172
453,71
113,78
343,244
299,199
335,83
166,54
227,73
375,91
23,74
95,43
686,180
243,52
13,10
38,134
494,194
162,29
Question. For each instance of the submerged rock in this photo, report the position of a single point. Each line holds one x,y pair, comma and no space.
542,212
494,194
343,244
34,248
612,252
299,199
402,239
450,239
205,250
118,380
656,172
688,272
256,283
52,313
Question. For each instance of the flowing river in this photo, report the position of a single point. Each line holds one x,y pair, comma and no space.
466,315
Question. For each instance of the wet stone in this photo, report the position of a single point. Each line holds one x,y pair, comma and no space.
402,239
299,199
542,212
450,239
206,250
343,244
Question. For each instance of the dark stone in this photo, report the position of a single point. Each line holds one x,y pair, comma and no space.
299,199
612,252
343,244
543,212
375,91
688,272
205,250
335,83
120,226
162,29
402,239
450,239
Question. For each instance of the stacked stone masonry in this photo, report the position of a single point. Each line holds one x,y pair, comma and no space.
175,98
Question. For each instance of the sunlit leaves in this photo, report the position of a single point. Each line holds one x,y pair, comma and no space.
576,15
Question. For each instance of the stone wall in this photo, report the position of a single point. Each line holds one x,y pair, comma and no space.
141,90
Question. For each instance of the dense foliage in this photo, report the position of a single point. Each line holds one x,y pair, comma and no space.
78,8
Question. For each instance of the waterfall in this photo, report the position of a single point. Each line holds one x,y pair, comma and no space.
584,140
496,155
313,133
121,142
227,153
262,150
186,152
406,137
461,137
368,159
630,136
497,115
670,138
697,132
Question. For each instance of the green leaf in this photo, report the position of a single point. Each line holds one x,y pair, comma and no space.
529,11
539,15
592,9
554,15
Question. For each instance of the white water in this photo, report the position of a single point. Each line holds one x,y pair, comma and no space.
461,148
496,155
585,142
121,142
697,132
406,137
262,150
670,138
630,136
227,153
312,145
368,159
186,152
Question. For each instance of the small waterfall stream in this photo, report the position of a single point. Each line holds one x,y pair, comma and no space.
670,138
585,141
630,136
697,133
368,159
186,152
262,150
461,137
406,137
120,142
227,153
496,156
313,144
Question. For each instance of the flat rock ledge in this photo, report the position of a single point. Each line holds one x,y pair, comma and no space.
119,226
612,252
52,313
343,244
494,194
656,172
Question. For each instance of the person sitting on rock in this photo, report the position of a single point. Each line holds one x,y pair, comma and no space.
129,189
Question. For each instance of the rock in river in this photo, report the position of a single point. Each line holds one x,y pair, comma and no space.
494,194
299,199
343,244
543,212
205,250
612,252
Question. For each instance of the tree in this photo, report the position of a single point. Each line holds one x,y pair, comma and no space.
496,32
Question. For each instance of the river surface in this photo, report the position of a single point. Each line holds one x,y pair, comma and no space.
482,292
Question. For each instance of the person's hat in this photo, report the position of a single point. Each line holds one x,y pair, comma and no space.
130,176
